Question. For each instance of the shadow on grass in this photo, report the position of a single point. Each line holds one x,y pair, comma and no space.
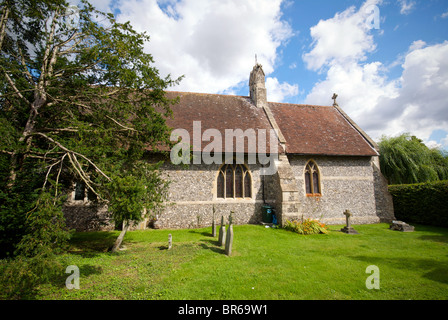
202,232
212,245
438,234
430,269
435,238
91,244
85,270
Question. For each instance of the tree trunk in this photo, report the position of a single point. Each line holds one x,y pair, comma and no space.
120,238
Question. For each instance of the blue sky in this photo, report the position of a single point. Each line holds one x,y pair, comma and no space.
390,79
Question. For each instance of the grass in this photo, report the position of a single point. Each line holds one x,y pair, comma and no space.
265,264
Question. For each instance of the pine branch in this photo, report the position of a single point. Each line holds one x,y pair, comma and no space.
17,91
3,21
123,126
71,152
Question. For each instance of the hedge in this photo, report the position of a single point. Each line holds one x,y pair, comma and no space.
423,203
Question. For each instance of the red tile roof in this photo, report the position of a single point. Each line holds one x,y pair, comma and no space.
307,129
319,130
221,112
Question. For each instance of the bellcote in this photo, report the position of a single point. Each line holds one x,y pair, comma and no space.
257,86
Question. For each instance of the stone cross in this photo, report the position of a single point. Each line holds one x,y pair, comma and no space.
231,218
348,228
229,237
348,214
334,99
170,241
222,233
213,223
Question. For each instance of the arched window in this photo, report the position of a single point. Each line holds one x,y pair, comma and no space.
312,179
233,181
80,191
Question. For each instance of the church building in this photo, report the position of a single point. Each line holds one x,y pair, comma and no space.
303,161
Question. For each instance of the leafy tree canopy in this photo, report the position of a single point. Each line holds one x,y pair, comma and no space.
80,100
406,159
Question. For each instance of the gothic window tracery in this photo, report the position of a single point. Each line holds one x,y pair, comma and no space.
312,179
233,181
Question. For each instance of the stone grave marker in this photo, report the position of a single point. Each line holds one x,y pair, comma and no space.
401,226
229,237
222,233
170,241
213,223
348,228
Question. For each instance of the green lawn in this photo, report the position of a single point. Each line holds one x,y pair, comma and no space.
265,264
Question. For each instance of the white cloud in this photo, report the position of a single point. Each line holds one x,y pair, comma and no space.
359,88
444,15
421,104
341,39
406,6
419,44
277,92
433,144
415,102
211,42
101,5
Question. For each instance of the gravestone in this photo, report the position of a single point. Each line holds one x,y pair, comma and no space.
213,223
401,226
170,241
348,228
222,233
229,237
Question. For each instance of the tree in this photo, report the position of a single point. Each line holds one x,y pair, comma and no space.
80,100
406,159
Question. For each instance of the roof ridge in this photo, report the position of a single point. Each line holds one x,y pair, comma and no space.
206,93
301,104
248,97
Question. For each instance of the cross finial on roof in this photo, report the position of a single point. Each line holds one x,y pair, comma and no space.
334,99
256,62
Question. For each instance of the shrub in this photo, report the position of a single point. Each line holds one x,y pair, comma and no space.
307,226
424,203
20,276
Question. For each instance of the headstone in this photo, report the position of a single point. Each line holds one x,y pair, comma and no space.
170,241
348,228
213,223
229,237
401,226
222,233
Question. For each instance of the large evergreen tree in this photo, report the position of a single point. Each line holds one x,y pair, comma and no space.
80,100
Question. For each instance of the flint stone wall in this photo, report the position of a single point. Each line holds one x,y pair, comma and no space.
192,195
346,183
352,183
82,216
